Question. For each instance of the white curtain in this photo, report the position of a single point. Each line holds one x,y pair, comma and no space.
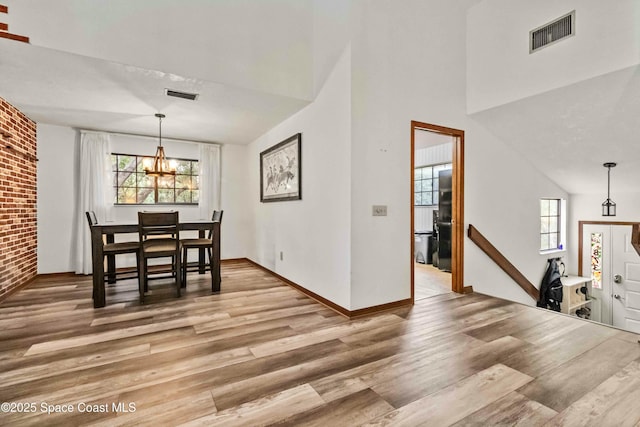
209,179
95,192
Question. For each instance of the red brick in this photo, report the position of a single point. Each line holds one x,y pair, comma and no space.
18,234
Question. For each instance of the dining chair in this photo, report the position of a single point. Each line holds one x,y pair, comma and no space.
159,235
111,249
200,243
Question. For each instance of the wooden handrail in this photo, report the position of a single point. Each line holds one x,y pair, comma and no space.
635,237
502,262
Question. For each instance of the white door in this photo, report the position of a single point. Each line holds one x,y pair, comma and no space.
625,263
596,262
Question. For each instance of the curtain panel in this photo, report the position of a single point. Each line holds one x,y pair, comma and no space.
95,192
209,180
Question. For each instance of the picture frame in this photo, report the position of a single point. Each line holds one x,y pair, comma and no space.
281,171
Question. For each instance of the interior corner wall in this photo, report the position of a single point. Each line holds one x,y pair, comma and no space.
56,198
235,201
18,198
501,69
588,207
409,63
312,234
57,175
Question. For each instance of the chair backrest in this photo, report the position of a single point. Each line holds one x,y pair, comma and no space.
217,216
91,218
158,224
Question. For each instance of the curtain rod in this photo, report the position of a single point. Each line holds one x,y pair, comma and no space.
148,136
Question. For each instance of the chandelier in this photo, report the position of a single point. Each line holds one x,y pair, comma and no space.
160,166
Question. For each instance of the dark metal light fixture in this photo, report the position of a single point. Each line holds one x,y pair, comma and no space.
161,166
609,206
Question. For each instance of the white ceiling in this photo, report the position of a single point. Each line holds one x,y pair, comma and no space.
105,65
568,133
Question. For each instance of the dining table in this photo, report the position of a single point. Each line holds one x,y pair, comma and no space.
101,233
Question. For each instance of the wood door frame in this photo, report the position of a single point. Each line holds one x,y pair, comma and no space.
581,225
457,208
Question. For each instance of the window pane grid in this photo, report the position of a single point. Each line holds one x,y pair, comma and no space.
426,186
133,186
549,224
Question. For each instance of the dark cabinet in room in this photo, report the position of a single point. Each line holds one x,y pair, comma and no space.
444,219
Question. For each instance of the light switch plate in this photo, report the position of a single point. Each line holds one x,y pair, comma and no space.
379,210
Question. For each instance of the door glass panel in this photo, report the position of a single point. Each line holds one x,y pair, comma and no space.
596,260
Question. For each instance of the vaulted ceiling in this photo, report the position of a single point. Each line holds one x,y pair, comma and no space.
568,133
106,65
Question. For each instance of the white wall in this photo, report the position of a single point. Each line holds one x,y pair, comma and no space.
313,233
409,62
57,191
588,207
500,68
56,198
237,222
503,192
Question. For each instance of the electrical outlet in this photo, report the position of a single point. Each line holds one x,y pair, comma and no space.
379,210
281,257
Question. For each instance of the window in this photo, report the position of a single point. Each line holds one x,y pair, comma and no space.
425,191
596,260
552,224
133,186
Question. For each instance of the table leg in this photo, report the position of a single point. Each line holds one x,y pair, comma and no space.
201,259
216,278
111,262
98,267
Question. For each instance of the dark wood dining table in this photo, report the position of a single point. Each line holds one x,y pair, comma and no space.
109,230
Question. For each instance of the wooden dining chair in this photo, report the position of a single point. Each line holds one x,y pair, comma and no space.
159,235
111,249
201,243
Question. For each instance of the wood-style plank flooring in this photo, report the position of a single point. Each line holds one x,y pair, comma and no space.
261,353
429,281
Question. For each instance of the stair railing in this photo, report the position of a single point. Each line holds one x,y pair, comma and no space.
502,262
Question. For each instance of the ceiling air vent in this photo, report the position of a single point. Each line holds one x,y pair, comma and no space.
552,32
183,95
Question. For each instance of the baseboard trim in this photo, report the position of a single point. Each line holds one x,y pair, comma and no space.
17,288
382,307
54,275
333,306
232,260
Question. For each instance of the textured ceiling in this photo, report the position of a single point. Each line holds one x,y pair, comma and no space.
105,65
568,133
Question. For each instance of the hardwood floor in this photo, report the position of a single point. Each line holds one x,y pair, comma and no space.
261,353
429,281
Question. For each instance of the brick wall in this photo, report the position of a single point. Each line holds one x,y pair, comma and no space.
18,227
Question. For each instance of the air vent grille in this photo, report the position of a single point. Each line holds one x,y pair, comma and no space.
183,95
552,32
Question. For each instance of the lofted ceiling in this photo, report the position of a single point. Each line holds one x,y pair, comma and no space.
106,65
568,133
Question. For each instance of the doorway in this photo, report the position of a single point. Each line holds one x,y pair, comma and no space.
607,256
437,207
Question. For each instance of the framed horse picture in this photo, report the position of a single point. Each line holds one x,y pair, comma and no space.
281,171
